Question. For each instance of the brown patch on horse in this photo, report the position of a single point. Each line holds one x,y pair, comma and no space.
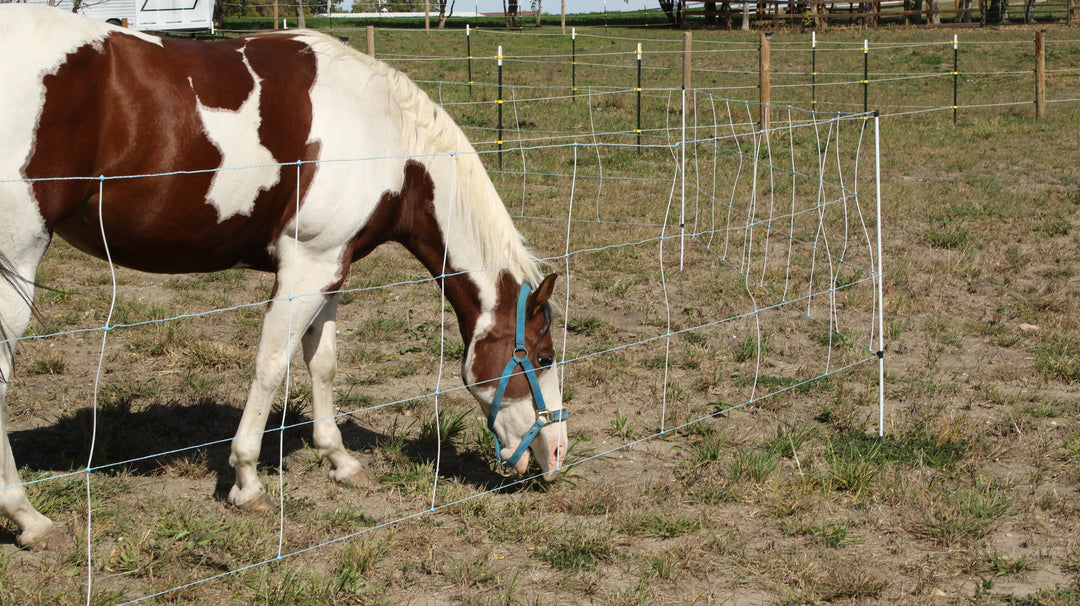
399,213
218,79
408,217
494,350
102,116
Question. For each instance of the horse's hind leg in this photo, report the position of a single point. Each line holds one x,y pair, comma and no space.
16,296
320,353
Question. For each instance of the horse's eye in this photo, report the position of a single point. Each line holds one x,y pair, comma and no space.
544,361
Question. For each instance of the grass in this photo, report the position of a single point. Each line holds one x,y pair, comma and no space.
578,549
443,429
832,536
1060,358
656,524
962,516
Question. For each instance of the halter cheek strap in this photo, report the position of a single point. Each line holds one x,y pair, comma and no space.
520,358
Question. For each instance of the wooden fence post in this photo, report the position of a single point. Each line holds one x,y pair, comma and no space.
764,71
275,14
371,40
1040,74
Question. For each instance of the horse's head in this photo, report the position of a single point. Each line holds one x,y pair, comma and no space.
510,368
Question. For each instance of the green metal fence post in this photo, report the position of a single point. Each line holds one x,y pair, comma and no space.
638,90
573,63
499,104
813,72
866,75
955,74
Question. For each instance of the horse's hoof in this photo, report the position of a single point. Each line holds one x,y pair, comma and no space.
262,502
56,538
356,479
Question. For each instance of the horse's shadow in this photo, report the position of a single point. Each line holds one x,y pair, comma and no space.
171,435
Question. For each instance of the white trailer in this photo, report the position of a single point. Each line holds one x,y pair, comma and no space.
157,15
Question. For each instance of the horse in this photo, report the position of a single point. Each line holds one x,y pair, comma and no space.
285,152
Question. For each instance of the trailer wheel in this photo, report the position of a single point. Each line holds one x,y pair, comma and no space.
114,21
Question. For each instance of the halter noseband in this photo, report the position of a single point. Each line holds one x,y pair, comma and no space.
520,358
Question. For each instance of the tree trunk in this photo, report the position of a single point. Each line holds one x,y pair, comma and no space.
998,11
668,6
445,14
300,22
510,12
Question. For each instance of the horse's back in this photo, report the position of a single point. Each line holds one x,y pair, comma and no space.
101,101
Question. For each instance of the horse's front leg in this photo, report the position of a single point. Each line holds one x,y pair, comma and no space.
280,336
320,354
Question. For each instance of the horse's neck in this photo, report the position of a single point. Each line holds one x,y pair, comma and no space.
446,245
472,293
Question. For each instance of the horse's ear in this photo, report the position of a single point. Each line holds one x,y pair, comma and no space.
541,295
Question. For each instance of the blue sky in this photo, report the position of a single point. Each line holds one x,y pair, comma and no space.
554,6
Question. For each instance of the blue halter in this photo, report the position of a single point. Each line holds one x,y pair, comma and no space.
521,358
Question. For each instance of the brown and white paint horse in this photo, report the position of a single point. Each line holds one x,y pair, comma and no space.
257,137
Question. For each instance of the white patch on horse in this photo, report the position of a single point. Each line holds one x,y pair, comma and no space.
248,167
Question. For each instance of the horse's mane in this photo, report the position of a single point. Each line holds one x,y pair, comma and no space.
428,130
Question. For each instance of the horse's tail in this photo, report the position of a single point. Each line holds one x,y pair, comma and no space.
24,288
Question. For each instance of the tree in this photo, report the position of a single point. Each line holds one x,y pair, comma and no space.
510,12
932,8
668,6
443,13
675,10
